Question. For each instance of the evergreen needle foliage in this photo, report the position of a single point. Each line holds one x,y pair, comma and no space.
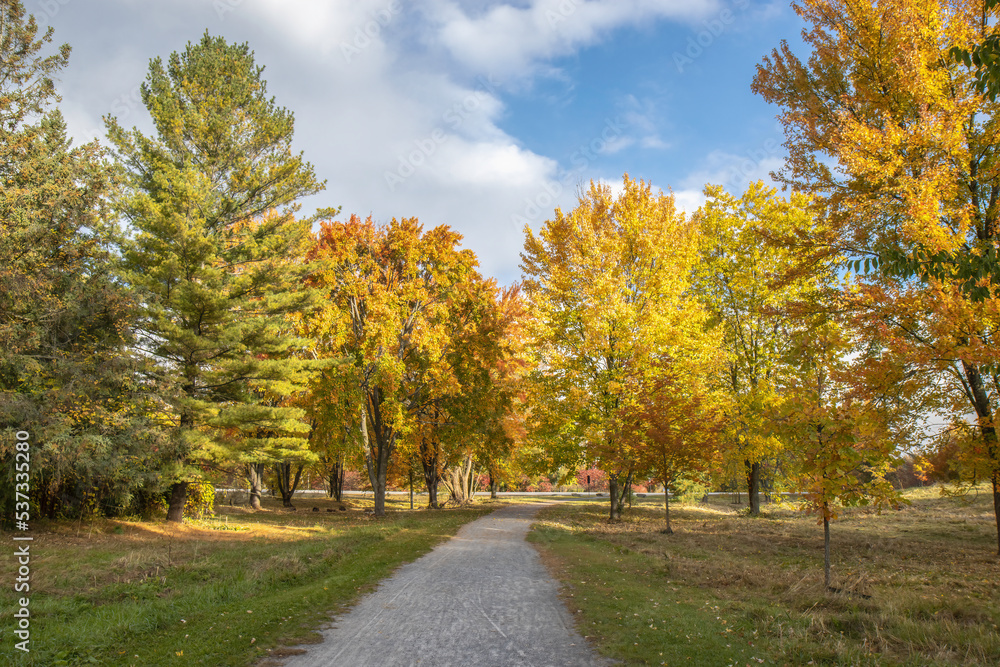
217,254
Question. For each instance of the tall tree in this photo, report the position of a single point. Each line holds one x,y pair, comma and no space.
391,294
901,148
606,287
489,364
500,403
66,375
216,251
745,283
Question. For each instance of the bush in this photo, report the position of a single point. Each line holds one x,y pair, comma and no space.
353,481
598,480
200,500
149,502
689,490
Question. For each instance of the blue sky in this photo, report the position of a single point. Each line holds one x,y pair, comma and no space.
480,115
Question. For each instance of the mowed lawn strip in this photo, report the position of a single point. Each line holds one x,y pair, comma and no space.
917,586
609,589
232,590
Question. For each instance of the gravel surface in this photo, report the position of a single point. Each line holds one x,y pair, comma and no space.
481,599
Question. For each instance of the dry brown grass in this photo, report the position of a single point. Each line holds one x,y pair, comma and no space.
916,586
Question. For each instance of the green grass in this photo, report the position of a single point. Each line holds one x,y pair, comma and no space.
233,590
918,586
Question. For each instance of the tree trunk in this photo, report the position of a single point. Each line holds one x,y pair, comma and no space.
753,486
625,489
287,484
470,494
616,510
666,506
432,491
381,473
493,486
335,470
826,549
178,491
996,504
377,458
336,481
255,476
984,413
432,475
456,478
178,496
411,488
370,464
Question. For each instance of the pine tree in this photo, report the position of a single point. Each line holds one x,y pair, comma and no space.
217,253
65,375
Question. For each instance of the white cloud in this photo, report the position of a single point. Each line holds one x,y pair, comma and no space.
327,26
732,171
513,40
617,144
386,87
654,141
689,200
494,164
735,172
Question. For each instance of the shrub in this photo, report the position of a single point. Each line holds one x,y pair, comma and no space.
598,480
149,502
200,500
689,490
353,481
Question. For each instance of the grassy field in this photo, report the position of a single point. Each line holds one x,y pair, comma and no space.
232,590
917,586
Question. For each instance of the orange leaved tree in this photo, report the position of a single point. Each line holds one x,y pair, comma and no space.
900,148
841,433
680,424
391,293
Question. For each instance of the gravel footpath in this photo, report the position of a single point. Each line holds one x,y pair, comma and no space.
483,598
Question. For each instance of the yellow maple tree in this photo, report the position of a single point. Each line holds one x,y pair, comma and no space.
607,290
900,148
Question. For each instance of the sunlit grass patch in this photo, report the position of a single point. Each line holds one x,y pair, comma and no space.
229,590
